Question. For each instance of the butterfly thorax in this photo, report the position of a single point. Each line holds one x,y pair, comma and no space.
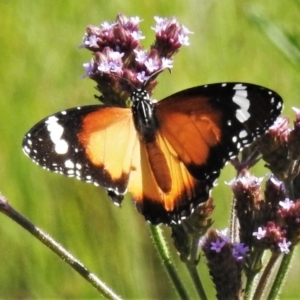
143,115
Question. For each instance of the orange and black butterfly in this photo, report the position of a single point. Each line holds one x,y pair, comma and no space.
167,154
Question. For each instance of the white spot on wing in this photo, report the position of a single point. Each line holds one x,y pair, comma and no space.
240,98
243,134
61,147
26,149
55,132
69,164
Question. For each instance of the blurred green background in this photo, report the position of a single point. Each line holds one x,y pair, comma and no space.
40,70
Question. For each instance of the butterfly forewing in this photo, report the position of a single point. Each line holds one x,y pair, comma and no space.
217,120
78,143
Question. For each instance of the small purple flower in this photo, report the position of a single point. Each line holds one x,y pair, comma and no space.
185,30
183,39
140,55
137,35
88,68
217,246
91,41
286,204
152,65
141,76
107,25
160,24
104,67
239,251
135,20
284,246
116,56
166,63
261,233
110,67
111,63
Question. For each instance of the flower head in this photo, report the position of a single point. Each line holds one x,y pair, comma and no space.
225,263
120,64
170,35
294,138
274,147
269,236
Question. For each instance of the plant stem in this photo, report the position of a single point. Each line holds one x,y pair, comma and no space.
252,271
281,274
196,280
162,249
191,265
262,285
249,286
62,253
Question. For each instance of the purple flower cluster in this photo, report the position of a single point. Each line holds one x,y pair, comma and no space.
217,241
271,221
120,64
266,220
225,262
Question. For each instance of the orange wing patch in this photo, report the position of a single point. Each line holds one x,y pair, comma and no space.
112,144
191,128
149,197
109,138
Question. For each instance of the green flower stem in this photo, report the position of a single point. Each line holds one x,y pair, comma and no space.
196,280
252,271
249,286
162,249
194,256
264,279
62,253
281,274
191,265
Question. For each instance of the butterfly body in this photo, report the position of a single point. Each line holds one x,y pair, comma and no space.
167,154
146,126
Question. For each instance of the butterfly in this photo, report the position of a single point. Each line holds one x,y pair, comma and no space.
167,154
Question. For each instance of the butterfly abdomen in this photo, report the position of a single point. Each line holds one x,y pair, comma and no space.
159,166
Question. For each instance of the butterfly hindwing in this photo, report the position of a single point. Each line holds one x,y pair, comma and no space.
157,206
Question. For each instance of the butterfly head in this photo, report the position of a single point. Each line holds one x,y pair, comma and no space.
140,95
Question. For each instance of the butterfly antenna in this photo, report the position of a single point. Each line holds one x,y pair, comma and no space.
153,75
